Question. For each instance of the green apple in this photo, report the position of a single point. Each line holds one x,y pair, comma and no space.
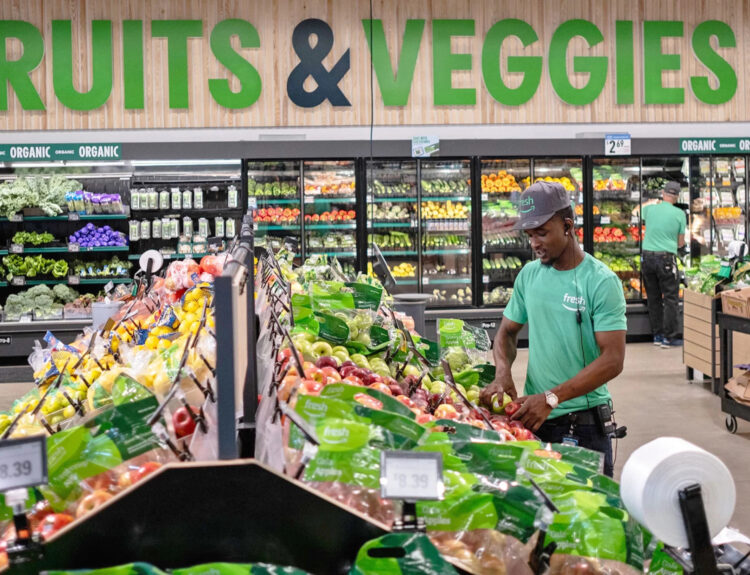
412,370
461,388
341,349
303,346
437,387
364,338
306,336
472,396
360,360
322,348
426,381
353,333
381,371
311,355
341,356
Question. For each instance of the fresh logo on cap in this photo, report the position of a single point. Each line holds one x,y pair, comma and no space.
527,205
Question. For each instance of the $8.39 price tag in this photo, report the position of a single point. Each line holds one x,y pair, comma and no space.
411,476
23,462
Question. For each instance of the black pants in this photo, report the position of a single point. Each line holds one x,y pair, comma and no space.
663,293
588,435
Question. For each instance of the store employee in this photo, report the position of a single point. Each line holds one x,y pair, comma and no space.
575,308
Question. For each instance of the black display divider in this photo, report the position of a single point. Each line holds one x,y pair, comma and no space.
192,513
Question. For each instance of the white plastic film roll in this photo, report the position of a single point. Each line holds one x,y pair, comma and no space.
656,472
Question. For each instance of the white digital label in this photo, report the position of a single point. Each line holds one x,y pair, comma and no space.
411,476
617,145
23,462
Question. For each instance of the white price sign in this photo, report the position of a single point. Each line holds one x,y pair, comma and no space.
411,476
23,462
617,145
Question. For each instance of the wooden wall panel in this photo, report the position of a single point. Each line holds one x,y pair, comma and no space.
275,60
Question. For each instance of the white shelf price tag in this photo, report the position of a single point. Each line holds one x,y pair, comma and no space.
23,462
73,248
617,145
16,248
411,476
74,280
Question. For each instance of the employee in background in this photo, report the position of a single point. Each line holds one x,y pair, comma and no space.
665,234
575,308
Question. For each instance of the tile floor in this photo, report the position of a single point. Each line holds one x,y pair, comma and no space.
653,399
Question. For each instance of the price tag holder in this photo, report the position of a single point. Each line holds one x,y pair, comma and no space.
74,280
74,248
309,199
108,287
410,476
16,248
16,218
74,216
606,220
617,145
23,462
18,281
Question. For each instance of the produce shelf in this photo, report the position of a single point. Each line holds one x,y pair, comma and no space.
439,281
279,201
406,282
67,218
330,199
393,253
377,225
313,251
104,280
507,250
457,251
446,198
197,213
382,199
64,280
66,249
176,256
330,226
291,227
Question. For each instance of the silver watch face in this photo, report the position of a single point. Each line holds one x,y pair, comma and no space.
551,399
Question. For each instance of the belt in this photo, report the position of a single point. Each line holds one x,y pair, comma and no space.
583,417
650,253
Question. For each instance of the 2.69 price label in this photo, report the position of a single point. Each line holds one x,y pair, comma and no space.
23,462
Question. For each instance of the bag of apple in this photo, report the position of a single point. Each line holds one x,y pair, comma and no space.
129,569
400,554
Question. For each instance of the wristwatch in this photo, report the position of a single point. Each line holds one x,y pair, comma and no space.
551,399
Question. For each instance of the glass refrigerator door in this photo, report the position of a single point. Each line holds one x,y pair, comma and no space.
701,227
273,192
392,219
565,171
504,250
329,207
728,217
446,231
617,239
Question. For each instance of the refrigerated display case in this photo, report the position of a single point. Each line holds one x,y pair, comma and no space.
445,220
274,192
565,171
719,204
504,250
392,219
330,217
616,204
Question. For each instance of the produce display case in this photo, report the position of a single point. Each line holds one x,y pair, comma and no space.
718,203
392,219
330,217
565,171
446,232
177,206
273,190
616,208
504,250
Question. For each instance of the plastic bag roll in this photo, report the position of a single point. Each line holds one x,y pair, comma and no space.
653,477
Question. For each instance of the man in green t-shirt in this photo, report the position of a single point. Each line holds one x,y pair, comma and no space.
665,234
575,309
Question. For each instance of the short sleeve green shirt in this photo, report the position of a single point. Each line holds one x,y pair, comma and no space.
664,223
559,347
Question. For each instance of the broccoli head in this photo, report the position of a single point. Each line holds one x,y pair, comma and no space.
64,293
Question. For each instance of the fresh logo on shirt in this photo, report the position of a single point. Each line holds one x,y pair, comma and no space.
578,301
527,205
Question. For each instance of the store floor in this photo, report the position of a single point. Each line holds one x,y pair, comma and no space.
653,399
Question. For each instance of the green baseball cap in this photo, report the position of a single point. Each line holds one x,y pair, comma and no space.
538,203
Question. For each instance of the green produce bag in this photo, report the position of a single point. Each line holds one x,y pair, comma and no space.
115,435
129,569
663,564
401,554
238,569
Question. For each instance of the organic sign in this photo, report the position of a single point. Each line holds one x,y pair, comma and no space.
49,152
715,145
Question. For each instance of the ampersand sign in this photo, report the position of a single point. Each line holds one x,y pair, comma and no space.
311,64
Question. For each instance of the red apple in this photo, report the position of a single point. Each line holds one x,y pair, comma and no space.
347,370
353,380
146,469
446,411
523,434
53,523
327,361
371,378
406,401
331,372
424,418
183,424
511,408
380,387
312,385
368,401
